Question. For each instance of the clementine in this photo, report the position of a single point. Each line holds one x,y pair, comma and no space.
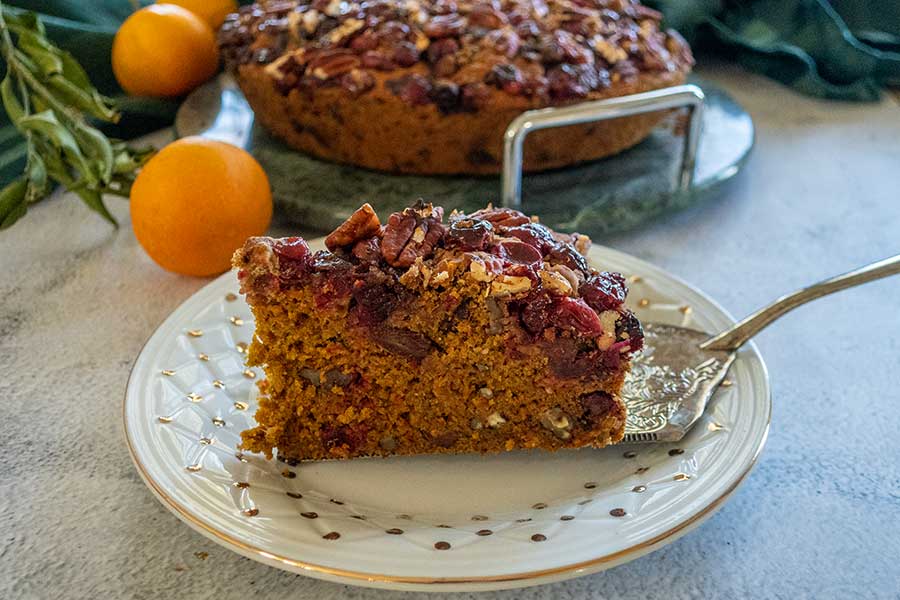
163,50
211,11
196,201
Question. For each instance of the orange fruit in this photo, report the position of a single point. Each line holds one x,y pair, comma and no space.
211,11
196,201
164,50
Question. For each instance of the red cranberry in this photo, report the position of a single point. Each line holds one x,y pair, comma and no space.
506,77
469,234
533,234
293,248
535,313
445,95
628,323
566,254
574,313
604,291
405,54
517,252
597,404
413,89
474,95
374,301
346,436
368,251
440,48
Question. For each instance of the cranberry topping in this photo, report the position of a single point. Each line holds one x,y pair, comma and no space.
629,324
533,234
517,252
469,234
604,291
292,248
566,254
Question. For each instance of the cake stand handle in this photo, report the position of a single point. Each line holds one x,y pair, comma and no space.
689,96
733,338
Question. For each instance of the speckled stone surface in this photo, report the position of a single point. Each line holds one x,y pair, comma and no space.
818,518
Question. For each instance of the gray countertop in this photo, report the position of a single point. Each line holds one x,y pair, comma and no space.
819,516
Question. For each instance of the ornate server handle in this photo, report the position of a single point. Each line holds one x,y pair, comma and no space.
735,337
689,96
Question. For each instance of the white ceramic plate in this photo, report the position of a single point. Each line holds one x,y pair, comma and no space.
428,523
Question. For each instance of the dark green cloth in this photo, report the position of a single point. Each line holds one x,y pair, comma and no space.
843,49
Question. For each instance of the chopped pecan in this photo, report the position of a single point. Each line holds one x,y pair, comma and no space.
362,224
357,82
412,234
328,64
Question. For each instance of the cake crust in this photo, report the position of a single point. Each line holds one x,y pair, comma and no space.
484,333
393,87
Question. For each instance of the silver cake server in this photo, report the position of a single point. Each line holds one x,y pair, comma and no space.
679,369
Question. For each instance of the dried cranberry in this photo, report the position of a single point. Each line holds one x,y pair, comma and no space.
535,312
507,77
534,234
575,314
293,248
566,254
445,95
374,301
413,89
517,252
597,404
405,54
566,82
469,234
604,291
441,48
474,95
628,323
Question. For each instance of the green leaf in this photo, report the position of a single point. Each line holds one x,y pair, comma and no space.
12,202
11,101
94,201
74,72
39,50
36,173
46,124
98,147
91,101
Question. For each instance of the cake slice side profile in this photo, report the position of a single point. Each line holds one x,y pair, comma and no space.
484,332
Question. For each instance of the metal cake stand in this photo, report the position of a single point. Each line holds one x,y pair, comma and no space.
700,145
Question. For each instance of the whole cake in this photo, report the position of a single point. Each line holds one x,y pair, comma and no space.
485,333
429,86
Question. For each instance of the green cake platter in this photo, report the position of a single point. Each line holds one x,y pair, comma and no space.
597,198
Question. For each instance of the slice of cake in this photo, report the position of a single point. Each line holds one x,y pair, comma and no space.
481,333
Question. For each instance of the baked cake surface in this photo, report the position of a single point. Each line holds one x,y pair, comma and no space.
429,86
482,333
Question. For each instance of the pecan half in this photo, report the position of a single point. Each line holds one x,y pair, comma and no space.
331,63
412,234
361,225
